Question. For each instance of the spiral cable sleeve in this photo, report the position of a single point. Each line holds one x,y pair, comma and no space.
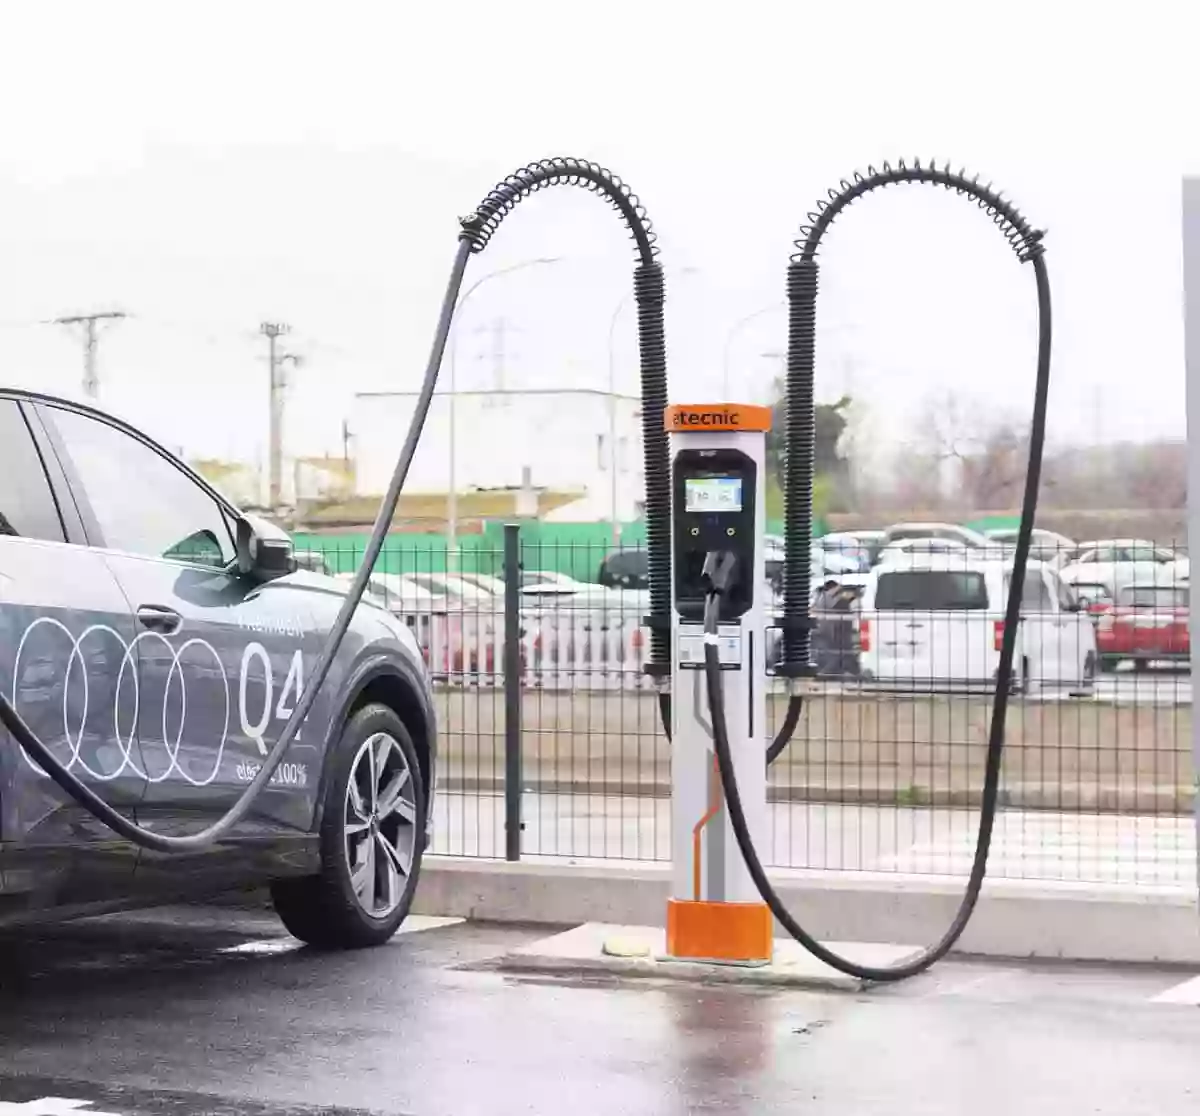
145,838
1026,243
650,294
1023,238
801,445
479,228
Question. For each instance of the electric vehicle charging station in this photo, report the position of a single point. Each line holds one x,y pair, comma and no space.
717,587
718,457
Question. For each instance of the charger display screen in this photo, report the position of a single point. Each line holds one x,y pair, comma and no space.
712,494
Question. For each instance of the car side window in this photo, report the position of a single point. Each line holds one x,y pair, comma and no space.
142,502
27,507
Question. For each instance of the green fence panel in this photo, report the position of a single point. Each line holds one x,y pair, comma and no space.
574,549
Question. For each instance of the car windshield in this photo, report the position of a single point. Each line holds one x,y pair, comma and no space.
1153,596
451,586
903,534
1145,552
932,590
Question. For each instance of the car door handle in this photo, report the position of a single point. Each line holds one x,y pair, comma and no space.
159,618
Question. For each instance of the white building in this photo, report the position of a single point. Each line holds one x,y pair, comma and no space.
555,439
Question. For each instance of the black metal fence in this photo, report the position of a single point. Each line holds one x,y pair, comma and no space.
551,744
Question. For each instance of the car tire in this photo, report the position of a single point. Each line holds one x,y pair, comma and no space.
361,894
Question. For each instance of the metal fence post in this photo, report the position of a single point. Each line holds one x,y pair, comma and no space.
512,691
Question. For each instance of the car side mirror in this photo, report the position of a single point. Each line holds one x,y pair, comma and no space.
263,552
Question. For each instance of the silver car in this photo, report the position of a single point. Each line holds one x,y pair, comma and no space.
157,639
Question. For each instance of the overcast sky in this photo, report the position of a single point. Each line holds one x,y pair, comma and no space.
204,167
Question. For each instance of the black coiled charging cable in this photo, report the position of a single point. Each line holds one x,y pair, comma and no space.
145,838
802,293
476,233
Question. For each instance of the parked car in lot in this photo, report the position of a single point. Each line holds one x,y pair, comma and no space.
862,547
313,560
487,582
157,639
938,623
1093,598
952,532
453,587
1046,546
459,625
1147,623
916,549
625,569
532,579
1115,563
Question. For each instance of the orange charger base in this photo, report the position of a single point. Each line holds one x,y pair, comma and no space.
703,931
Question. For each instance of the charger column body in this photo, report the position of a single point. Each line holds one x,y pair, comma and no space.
718,463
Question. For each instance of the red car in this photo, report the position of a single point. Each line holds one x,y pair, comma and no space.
1146,623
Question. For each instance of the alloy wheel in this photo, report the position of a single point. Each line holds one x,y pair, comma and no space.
380,825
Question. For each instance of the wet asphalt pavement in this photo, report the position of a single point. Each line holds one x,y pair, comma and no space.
216,1011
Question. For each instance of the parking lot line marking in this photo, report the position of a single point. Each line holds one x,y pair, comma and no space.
416,923
50,1106
261,947
1186,993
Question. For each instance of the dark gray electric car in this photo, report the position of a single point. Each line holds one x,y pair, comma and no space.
157,640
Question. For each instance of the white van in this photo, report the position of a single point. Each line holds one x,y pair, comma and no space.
938,622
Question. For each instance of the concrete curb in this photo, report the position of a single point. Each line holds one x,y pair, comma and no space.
1014,919
779,690
583,950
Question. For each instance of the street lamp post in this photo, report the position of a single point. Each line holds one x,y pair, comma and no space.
612,407
452,508
612,418
734,330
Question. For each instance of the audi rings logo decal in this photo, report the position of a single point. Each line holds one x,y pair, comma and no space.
133,746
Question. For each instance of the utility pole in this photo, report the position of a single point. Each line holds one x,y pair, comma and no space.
276,359
452,502
500,330
91,381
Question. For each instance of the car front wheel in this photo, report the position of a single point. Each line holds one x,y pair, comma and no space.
372,838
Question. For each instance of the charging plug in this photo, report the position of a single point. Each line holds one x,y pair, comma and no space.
719,570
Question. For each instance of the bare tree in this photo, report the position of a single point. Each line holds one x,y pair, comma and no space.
981,452
1156,476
